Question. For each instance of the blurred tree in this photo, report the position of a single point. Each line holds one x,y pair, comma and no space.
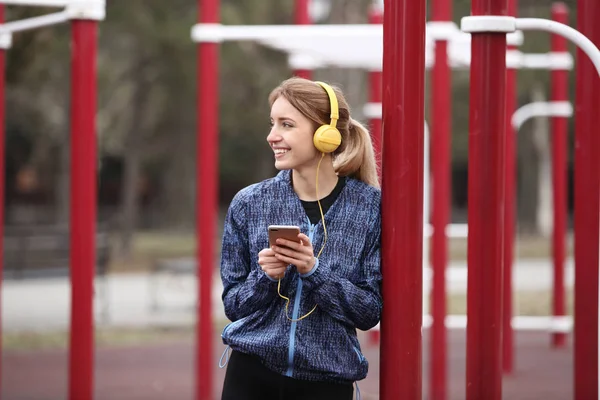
147,104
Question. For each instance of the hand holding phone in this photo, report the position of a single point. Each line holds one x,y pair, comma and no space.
293,248
269,263
274,268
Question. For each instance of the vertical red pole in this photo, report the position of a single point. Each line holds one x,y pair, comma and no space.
486,207
441,166
302,17
510,183
2,169
402,199
560,92
206,194
375,81
83,208
587,203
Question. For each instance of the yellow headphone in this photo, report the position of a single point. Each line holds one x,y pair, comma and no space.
327,138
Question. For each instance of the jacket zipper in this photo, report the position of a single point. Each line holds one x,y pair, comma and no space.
290,370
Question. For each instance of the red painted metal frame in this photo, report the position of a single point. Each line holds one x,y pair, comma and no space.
375,84
83,207
486,207
441,124
560,92
402,199
510,183
2,182
302,17
206,194
587,203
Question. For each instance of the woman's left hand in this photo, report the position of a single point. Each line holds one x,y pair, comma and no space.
299,254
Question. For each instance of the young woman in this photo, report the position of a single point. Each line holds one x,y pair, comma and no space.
295,306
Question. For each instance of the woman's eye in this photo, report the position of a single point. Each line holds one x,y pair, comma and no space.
287,125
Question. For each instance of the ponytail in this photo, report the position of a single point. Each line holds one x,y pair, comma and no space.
357,157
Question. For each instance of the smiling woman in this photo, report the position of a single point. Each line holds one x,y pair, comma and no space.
291,137
294,310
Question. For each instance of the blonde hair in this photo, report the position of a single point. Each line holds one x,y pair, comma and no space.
355,157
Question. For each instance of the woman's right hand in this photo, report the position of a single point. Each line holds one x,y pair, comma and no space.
273,267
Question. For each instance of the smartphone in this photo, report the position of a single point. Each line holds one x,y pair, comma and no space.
289,232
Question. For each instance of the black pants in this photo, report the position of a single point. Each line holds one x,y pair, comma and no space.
247,379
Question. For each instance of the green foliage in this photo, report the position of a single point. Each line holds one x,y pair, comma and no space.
147,67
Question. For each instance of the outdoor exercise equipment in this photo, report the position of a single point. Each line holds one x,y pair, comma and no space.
483,335
84,16
326,48
403,228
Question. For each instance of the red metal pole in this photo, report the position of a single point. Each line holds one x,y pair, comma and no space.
441,124
375,80
560,92
302,17
83,208
402,199
206,194
486,207
2,183
587,203
510,183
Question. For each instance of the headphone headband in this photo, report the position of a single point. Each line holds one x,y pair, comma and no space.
335,115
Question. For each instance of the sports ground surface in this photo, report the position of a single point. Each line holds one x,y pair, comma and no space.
165,371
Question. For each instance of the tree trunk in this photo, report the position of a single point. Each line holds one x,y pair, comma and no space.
132,167
63,198
179,189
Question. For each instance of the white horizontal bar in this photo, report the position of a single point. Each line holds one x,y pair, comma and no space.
563,324
548,61
5,41
585,44
541,109
452,230
35,22
37,3
442,30
217,33
373,110
302,61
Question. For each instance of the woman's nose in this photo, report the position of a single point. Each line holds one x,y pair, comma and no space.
273,135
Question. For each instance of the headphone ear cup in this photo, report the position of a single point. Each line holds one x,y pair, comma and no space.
327,139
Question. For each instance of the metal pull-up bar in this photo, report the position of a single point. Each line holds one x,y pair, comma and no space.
541,109
84,15
73,10
37,3
487,384
503,24
35,22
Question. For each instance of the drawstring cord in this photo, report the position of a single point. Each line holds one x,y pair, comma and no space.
357,391
225,355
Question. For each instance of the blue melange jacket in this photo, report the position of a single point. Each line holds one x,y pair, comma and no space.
345,282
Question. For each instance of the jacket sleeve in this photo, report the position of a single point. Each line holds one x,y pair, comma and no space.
246,289
356,302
